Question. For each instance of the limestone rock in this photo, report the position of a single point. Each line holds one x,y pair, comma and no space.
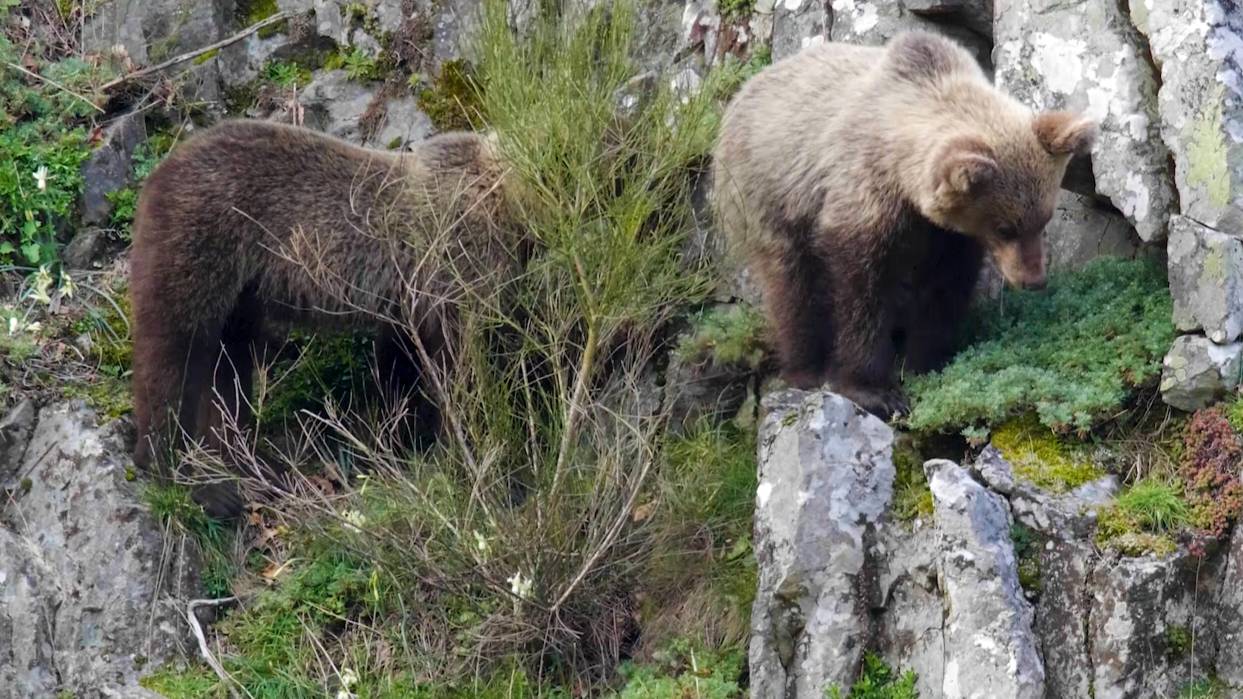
84,579
826,480
1198,45
796,24
15,431
990,648
909,632
874,22
110,167
1196,371
1229,616
334,104
1066,516
1081,231
1087,57
1148,624
150,31
1206,279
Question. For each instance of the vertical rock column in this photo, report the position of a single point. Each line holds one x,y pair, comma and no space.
1197,46
826,479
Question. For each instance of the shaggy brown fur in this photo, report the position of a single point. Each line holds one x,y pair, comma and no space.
864,185
253,223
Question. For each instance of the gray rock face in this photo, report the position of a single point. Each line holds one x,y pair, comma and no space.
795,24
1197,44
15,431
910,632
1065,516
1196,371
826,479
1229,616
875,22
153,30
1149,626
334,104
83,577
1087,57
110,167
991,650
1081,231
1206,279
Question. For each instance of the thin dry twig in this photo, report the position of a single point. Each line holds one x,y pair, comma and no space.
208,656
188,55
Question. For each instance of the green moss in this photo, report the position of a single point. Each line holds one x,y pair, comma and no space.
109,396
452,101
205,57
1039,457
250,12
912,498
1206,688
736,9
878,681
1074,354
1027,544
1207,153
733,335
1177,640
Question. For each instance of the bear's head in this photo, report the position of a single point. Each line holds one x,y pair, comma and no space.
1000,187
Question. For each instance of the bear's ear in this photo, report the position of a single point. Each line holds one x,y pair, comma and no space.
966,167
1064,133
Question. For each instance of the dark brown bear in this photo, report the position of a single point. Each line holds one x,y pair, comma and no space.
863,186
252,224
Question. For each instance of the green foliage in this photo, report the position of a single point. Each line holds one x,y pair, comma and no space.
357,63
736,9
452,101
193,683
43,143
731,335
172,505
1027,544
727,79
1143,517
682,670
878,681
912,498
251,12
1039,457
328,368
1178,640
147,155
1206,688
285,74
1074,353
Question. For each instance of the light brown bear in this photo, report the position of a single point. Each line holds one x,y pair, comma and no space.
250,224
863,187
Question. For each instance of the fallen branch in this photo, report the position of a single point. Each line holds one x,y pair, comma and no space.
182,58
197,628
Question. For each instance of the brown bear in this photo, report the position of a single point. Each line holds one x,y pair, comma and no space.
862,186
251,225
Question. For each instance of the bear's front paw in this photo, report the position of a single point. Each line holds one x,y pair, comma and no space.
885,403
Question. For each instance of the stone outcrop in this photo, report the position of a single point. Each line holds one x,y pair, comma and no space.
87,576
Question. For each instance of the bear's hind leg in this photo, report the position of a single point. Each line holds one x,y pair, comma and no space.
864,349
796,296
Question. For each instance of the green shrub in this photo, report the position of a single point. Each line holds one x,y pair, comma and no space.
683,670
43,143
734,335
329,368
878,681
452,101
1074,354
912,498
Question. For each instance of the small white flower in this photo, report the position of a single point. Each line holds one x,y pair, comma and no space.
66,285
42,285
345,694
41,177
14,325
349,678
481,543
354,519
34,328
520,585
